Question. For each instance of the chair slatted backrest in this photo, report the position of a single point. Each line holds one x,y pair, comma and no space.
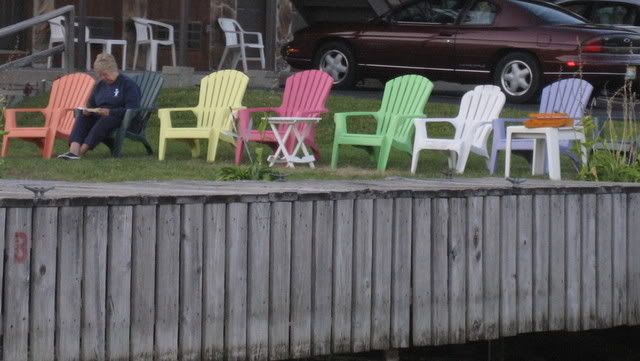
482,104
150,84
69,92
406,94
219,93
569,96
230,27
304,92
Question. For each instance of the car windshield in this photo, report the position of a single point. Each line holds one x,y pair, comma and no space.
549,14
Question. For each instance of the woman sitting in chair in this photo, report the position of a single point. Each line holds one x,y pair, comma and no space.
113,95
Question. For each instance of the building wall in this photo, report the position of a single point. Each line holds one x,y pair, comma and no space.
277,28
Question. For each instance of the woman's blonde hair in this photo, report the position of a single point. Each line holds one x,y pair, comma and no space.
105,62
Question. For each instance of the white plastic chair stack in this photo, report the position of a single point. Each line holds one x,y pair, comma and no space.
144,37
472,127
235,41
56,28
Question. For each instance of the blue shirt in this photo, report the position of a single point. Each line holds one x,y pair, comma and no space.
118,96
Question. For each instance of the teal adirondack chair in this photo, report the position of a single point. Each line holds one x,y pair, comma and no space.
403,100
135,121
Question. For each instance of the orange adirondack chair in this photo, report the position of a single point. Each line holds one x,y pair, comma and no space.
67,93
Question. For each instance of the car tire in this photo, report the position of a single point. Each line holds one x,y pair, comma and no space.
518,75
337,60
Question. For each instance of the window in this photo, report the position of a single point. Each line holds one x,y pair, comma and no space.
481,13
578,8
614,14
434,12
550,15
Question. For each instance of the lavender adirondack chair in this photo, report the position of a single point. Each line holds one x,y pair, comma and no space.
567,96
305,95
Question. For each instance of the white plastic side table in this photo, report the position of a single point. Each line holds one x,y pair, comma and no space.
282,155
548,138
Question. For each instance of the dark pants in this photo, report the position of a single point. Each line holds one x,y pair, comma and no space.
93,129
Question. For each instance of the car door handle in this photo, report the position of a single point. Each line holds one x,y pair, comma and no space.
446,33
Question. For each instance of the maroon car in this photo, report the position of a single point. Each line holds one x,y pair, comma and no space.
517,44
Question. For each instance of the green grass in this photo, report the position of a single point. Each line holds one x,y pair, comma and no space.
24,160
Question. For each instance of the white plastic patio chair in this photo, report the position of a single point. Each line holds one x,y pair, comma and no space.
472,125
56,29
144,37
235,41
107,44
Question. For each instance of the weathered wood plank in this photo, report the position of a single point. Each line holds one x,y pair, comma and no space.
557,291
236,282
168,281
43,282
475,270
457,269
69,276
280,273
604,275
491,265
588,264
258,281
541,224
190,326
525,263
16,284
421,277
323,274
381,274
301,253
362,271
573,202
143,267
620,260
342,277
440,269
94,285
119,282
401,274
508,270
633,265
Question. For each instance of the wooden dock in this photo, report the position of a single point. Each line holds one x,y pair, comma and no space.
193,270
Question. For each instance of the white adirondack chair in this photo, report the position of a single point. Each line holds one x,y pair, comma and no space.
473,124
235,40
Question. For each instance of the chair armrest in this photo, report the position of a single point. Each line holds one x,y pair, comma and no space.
253,33
10,115
500,126
313,111
341,118
165,115
162,25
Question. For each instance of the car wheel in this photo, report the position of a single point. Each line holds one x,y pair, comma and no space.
337,60
518,75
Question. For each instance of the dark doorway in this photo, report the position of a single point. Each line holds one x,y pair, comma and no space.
13,11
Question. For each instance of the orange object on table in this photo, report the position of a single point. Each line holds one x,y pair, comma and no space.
543,120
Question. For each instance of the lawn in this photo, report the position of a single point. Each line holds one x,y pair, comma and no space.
24,160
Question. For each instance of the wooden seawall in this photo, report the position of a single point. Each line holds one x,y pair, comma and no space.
268,271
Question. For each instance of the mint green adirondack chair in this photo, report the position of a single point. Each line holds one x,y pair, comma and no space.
403,100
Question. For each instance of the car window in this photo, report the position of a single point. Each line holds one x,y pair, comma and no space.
550,14
481,13
430,11
614,14
578,8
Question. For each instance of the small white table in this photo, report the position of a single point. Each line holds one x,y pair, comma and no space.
548,138
282,155
107,44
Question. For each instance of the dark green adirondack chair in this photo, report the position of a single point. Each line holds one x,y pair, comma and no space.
403,100
135,121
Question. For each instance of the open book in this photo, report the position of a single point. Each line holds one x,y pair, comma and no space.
90,110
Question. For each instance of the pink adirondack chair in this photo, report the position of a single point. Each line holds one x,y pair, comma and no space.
67,93
305,95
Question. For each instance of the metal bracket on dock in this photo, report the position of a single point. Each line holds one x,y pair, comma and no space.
38,192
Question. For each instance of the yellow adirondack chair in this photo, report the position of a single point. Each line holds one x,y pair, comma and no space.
220,94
